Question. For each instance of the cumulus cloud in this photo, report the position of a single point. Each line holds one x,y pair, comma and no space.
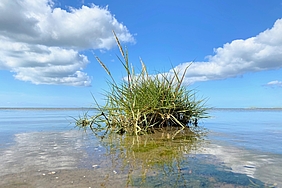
262,52
43,44
274,83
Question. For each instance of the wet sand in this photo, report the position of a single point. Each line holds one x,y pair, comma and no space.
62,178
90,179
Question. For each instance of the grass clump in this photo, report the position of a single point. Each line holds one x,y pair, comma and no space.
142,103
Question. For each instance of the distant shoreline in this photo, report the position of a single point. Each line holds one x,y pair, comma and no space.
88,108
45,108
250,109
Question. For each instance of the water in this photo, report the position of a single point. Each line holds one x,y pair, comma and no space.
249,141
258,129
41,148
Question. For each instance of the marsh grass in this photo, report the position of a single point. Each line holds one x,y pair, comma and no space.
142,103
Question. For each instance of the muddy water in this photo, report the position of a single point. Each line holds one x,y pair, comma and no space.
40,148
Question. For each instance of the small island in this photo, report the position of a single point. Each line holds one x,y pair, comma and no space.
143,103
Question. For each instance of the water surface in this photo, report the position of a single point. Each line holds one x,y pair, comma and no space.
41,148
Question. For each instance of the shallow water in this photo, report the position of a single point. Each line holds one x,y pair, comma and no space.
41,148
249,141
256,129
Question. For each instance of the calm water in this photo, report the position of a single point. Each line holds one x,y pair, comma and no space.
242,146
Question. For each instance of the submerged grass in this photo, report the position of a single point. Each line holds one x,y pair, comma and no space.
142,103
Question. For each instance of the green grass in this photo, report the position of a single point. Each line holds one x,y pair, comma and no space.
142,102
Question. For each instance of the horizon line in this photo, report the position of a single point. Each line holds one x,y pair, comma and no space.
78,108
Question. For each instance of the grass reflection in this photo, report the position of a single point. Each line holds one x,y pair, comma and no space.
147,155
157,160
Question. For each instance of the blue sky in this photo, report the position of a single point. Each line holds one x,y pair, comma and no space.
48,49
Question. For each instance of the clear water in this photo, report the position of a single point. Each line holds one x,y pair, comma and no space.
249,141
256,129
243,146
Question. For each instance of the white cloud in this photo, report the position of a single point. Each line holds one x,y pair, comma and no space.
274,83
262,52
42,44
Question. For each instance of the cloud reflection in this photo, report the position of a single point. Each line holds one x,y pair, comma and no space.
38,151
263,166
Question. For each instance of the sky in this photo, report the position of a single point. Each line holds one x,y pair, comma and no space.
48,49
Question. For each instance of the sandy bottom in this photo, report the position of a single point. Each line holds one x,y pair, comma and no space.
83,178
61,178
